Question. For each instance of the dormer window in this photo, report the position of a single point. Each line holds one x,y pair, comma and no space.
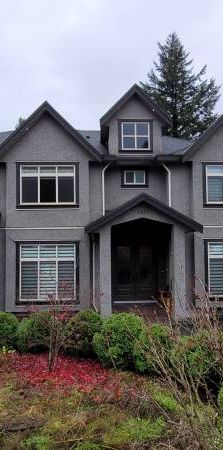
135,136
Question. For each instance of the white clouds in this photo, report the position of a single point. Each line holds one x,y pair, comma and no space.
81,55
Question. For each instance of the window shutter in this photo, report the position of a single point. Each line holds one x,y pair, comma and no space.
216,276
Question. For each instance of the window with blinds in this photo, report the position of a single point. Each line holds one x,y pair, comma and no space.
214,184
47,270
215,268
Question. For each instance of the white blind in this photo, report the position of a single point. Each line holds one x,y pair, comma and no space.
46,270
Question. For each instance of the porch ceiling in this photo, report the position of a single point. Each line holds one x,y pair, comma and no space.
155,204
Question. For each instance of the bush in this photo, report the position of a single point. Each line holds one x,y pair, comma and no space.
34,332
135,430
79,332
8,329
88,446
115,343
155,341
220,399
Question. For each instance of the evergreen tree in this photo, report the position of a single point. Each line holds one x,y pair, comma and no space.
188,98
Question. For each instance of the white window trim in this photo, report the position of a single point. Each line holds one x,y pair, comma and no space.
135,135
39,259
207,166
209,273
134,181
41,175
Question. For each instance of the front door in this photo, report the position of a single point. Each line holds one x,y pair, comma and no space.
134,273
139,261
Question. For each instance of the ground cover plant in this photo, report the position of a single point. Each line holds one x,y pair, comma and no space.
124,385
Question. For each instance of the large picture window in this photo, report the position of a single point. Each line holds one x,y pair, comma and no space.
48,185
47,270
214,184
215,268
135,136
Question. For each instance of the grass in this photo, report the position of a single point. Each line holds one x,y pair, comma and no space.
126,411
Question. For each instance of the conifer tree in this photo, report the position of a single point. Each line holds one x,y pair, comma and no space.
188,97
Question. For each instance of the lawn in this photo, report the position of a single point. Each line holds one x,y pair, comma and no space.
82,405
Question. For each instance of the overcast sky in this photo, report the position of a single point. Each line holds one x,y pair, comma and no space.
82,55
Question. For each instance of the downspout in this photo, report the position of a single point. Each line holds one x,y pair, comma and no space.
103,186
169,184
94,274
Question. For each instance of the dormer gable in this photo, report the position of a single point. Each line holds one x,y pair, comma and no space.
134,124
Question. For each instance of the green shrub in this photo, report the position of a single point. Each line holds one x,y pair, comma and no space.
37,442
33,333
220,399
135,431
115,343
153,341
8,329
79,332
167,401
88,446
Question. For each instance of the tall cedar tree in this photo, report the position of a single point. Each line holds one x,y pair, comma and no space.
187,97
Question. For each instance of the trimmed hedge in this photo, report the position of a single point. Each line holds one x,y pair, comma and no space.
79,333
8,329
115,343
33,333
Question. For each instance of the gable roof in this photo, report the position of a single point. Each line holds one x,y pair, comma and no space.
159,206
25,126
203,138
136,90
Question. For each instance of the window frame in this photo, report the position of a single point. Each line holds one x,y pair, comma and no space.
39,204
133,185
39,301
207,243
137,150
206,202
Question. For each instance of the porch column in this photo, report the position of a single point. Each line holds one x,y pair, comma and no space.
105,272
179,273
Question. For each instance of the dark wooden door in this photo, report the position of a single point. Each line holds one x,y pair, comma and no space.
134,272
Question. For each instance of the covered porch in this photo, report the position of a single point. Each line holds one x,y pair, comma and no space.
142,253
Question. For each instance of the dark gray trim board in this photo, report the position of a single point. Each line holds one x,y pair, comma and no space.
202,139
136,90
189,223
46,108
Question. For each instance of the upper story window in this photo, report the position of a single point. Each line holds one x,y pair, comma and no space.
214,184
136,135
48,185
134,178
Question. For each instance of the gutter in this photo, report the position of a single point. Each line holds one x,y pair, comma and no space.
103,186
169,184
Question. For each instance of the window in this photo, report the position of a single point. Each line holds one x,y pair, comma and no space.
214,184
135,136
47,185
134,178
45,270
215,268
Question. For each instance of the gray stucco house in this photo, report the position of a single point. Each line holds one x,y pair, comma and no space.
114,217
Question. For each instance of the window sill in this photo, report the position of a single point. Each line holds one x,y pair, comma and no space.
134,186
135,151
213,205
48,206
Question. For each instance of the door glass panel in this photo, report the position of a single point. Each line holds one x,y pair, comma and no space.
123,265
